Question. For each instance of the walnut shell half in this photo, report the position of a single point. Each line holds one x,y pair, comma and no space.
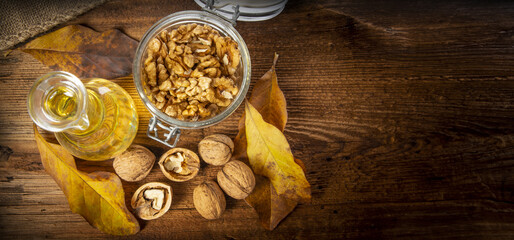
179,164
152,200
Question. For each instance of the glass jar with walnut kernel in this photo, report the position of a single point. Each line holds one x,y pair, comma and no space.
230,83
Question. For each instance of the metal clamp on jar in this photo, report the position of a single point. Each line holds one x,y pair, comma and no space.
166,129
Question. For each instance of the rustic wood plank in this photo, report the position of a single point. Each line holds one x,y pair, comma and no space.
401,111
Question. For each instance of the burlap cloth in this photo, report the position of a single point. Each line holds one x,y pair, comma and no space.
22,19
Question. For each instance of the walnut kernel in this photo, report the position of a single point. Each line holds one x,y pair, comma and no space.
179,164
152,200
191,63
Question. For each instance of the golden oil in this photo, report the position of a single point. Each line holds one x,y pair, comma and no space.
61,103
93,121
112,121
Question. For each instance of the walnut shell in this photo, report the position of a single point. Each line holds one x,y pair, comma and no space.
134,164
236,179
189,167
216,149
145,208
209,200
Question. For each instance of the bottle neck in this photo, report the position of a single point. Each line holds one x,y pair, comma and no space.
93,115
59,101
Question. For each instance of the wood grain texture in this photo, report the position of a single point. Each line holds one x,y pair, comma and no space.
402,112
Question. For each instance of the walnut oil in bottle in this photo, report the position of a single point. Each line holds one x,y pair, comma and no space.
93,121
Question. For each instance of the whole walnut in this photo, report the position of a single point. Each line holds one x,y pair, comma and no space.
216,149
134,164
209,200
236,179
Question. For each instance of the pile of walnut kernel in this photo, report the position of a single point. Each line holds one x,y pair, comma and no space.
190,72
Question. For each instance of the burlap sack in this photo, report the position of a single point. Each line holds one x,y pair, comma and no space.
22,19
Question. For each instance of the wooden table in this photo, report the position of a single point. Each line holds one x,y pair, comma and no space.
403,112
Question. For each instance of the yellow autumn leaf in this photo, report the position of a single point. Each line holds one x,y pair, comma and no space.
269,100
97,196
269,155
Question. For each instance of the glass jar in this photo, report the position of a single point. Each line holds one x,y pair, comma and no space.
163,128
247,10
93,121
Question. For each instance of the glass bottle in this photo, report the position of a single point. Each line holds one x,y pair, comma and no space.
93,121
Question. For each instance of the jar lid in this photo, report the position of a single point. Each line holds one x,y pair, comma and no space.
244,10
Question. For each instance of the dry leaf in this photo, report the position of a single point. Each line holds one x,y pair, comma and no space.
85,52
301,164
270,206
269,155
269,100
97,196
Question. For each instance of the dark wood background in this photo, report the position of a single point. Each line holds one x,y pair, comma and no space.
403,112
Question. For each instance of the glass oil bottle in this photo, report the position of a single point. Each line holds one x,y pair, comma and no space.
93,121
